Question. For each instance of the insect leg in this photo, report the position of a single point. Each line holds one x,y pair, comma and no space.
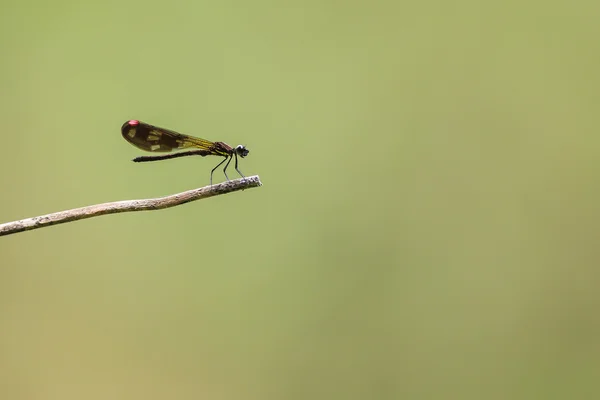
236,166
227,165
213,170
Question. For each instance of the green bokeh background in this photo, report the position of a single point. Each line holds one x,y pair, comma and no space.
428,225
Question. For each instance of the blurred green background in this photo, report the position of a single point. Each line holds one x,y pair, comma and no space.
427,228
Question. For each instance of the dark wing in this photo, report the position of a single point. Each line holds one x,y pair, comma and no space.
155,139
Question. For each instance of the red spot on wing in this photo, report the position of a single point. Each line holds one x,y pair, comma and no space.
133,122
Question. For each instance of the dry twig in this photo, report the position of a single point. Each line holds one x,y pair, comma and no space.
128,205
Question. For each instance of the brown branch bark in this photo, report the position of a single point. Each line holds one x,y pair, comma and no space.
128,205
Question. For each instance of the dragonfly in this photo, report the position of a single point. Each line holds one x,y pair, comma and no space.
152,138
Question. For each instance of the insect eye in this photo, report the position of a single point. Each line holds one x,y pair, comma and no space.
241,151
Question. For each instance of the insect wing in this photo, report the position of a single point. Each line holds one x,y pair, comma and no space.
152,138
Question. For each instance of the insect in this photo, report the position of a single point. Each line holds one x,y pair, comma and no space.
155,139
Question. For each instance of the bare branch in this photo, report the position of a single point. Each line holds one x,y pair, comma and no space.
128,205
